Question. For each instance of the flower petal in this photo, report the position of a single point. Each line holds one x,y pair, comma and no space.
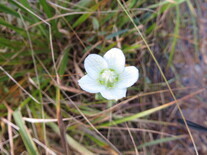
94,64
90,85
114,94
115,59
128,77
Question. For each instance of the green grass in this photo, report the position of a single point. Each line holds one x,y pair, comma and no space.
26,137
42,48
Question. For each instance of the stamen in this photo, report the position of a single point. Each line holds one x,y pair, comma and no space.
108,78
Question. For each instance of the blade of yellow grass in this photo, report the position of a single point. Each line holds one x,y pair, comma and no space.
150,111
11,142
132,139
138,130
161,72
48,150
116,106
60,121
34,120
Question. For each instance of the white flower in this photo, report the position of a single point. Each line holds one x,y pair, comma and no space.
108,75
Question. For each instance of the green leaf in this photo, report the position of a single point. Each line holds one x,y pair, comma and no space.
15,28
64,62
161,3
176,34
10,44
33,19
7,10
26,137
162,140
84,17
48,10
116,34
95,23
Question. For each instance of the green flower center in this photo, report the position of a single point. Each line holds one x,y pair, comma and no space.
108,78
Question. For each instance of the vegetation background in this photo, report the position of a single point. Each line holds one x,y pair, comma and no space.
43,44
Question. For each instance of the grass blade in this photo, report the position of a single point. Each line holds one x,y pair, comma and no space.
150,111
72,142
162,140
26,137
176,34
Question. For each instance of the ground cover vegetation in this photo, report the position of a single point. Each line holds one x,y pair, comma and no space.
43,45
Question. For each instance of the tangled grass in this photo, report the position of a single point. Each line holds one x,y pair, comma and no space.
42,48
